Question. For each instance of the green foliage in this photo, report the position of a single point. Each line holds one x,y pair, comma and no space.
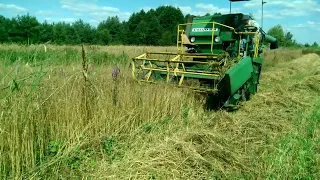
3,29
277,32
284,39
53,147
166,39
103,37
315,44
295,155
185,113
17,84
114,28
112,148
155,27
76,157
153,31
309,50
141,33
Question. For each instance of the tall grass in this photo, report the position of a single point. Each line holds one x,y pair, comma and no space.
37,128
153,131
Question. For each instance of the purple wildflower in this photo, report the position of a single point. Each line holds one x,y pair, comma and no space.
115,72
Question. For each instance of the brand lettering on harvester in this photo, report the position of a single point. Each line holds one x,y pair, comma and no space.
203,29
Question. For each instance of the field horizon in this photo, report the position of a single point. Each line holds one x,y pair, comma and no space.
58,123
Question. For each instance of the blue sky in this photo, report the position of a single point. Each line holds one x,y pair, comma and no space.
301,17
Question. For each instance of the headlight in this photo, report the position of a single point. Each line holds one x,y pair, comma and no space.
193,39
217,39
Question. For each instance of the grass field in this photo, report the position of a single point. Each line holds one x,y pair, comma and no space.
56,124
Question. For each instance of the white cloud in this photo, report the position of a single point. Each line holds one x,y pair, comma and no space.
186,9
86,7
293,8
202,9
46,13
12,7
95,11
82,7
78,14
308,24
104,15
311,22
207,7
214,9
292,13
67,20
267,14
300,26
283,3
93,21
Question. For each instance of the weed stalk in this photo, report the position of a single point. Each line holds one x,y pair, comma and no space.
85,89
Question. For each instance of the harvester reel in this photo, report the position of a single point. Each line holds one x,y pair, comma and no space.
147,75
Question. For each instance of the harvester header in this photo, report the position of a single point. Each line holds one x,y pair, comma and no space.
217,55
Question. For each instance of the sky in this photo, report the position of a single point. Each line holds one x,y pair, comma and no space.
300,17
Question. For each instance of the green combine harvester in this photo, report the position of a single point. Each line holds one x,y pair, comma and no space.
210,59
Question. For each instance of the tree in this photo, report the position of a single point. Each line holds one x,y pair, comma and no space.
83,31
315,44
141,33
169,17
132,25
288,39
153,31
166,39
3,29
278,33
115,29
60,33
103,37
46,32
284,39
27,28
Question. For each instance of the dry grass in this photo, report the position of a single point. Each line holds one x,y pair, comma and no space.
272,58
130,50
158,131
309,50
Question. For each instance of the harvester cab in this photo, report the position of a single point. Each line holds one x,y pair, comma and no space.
213,56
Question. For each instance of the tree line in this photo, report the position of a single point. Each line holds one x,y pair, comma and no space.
155,27
286,39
